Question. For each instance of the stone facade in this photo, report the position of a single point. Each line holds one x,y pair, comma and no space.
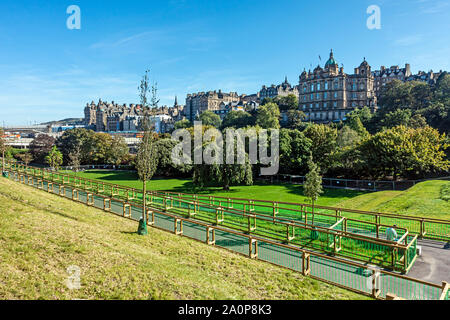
282,90
328,94
386,75
199,102
112,117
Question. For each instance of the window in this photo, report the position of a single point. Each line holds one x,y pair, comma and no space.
335,95
312,97
334,104
317,106
318,86
325,95
325,105
326,85
318,96
312,87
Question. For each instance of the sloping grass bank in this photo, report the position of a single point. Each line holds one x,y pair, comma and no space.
41,235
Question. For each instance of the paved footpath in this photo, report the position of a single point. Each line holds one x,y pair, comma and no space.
434,263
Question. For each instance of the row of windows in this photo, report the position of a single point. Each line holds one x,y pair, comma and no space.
326,105
326,115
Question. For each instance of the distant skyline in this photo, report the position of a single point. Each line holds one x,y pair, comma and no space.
49,72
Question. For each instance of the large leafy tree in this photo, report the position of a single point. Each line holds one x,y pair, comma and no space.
294,150
222,173
323,138
209,118
285,103
40,147
74,138
405,152
182,124
118,151
238,119
268,116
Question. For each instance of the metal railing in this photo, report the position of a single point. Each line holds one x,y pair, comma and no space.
353,276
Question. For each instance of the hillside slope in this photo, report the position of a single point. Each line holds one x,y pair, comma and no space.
41,235
423,199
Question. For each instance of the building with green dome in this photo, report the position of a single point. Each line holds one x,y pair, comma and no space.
328,94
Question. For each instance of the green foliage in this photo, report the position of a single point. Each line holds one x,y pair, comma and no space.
406,152
313,182
209,118
118,151
285,103
221,172
294,150
182,124
238,119
166,167
26,157
323,138
41,146
268,116
295,119
54,158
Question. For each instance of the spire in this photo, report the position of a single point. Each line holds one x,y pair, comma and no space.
176,101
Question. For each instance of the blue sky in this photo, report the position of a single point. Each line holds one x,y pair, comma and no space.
49,72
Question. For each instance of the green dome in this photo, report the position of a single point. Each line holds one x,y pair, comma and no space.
331,61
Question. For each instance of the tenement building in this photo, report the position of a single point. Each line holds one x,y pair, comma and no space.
281,90
328,94
386,75
112,117
199,102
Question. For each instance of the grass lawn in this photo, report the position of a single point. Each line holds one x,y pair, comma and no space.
259,191
425,199
41,235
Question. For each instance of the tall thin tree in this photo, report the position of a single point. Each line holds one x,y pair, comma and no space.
147,157
313,184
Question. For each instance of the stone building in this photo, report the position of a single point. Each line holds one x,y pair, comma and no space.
386,75
282,90
429,77
199,102
328,94
112,117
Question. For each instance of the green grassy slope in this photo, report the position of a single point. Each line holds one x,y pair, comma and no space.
423,199
41,235
260,191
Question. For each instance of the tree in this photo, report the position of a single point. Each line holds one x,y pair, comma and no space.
294,150
209,118
147,157
268,116
118,151
285,103
295,119
3,148
100,147
41,146
405,152
313,184
54,158
182,124
73,138
323,138
220,172
26,158
74,158
166,167
237,119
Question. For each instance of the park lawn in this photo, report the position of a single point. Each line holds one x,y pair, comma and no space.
259,191
42,234
422,200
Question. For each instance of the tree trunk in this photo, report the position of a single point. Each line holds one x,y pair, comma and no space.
312,221
144,200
